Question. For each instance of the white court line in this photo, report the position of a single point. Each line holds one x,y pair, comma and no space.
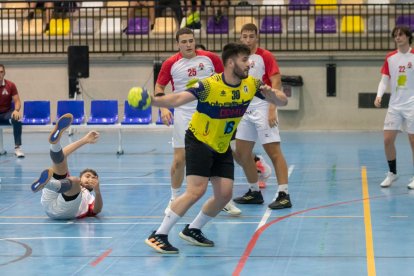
268,210
119,223
54,238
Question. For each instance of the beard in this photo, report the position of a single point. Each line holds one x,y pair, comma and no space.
240,73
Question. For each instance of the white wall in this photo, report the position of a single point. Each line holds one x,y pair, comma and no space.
111,78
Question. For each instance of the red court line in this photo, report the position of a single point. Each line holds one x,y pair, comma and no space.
100,258
258,233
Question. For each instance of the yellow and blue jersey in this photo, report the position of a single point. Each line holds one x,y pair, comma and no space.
220,108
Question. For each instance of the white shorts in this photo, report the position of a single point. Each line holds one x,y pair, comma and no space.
57,208
255,124
181,121
399,119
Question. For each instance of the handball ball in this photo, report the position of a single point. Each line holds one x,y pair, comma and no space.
139,98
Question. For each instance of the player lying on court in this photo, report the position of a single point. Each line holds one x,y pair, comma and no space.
222,99
64,196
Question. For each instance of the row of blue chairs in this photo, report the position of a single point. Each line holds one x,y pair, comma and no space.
102,112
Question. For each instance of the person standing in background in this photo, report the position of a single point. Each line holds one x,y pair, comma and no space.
10,106
260,123
398,72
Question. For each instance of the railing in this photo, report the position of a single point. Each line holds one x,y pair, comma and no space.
301,28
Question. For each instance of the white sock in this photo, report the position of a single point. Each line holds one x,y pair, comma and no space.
282,188
55,147
169,221
175,192
200,220
254,187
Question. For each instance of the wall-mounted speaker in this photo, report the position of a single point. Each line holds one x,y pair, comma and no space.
78,62
331,80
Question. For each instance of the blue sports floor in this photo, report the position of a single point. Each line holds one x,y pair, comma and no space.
341,223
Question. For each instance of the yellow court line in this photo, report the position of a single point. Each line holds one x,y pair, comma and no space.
368,226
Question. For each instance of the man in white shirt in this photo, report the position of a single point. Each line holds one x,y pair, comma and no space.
398,73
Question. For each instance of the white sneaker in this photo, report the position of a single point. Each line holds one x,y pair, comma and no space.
264,171
411,184
231,209
389,180
18,152
168,207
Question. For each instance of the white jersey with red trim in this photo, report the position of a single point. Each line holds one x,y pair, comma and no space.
87,202
399,67
183,72
263,65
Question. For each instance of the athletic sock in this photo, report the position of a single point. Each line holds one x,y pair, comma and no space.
168,222
254,187
175,192
283,188
392,164
200,220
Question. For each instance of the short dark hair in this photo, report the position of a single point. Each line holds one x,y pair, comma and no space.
182,31
249,27
200,46
403,29
2,66
234,49
88,171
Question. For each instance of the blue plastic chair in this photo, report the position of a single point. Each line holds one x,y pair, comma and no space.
405,19
76,108
159,121
103,112
221,27
325,24
134,116
36,113
271,25
138,25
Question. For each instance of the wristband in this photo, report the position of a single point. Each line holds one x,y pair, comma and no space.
160,94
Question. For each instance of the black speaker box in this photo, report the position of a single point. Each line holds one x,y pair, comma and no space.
331,80
78,61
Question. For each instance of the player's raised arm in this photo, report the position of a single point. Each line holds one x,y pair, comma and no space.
172,100
274,96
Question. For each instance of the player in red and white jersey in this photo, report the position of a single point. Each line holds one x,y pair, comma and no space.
182,70
398,73
64,196
260,123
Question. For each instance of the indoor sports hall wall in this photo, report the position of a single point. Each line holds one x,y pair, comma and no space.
43,78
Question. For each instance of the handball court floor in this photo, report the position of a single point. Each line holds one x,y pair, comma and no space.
341,222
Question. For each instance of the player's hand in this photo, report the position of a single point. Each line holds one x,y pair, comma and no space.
272,119
16,115
275,96
377,102
92,137
166,116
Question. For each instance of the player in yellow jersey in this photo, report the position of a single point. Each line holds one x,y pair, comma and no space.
222,101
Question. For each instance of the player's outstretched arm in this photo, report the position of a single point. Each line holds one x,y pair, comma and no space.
172,100
90,138
274,96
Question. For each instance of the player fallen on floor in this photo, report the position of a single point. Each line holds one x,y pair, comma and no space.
64,196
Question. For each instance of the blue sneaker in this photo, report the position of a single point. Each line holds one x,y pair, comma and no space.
42,181
61,125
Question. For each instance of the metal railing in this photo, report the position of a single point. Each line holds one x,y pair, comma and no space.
358,27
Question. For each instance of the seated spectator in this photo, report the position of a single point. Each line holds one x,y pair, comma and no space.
59,7
10,114
219,7
148,4
175,5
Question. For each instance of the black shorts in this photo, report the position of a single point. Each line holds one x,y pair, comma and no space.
202,160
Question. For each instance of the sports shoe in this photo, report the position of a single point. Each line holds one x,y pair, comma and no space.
168,207
19,152
161,244
251,197
61,125
231,209
42,181
264,171
282,201
411,184
391,177
195,236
